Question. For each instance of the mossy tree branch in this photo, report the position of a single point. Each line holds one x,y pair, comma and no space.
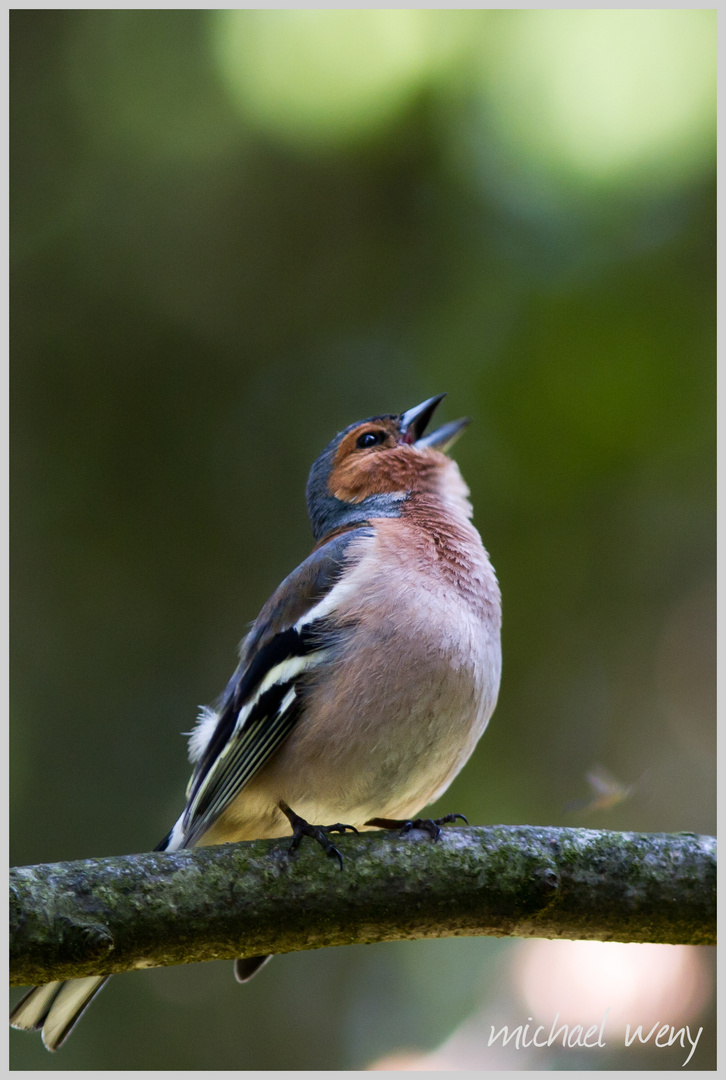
99,916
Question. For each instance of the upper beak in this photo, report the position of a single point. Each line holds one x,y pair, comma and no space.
415,421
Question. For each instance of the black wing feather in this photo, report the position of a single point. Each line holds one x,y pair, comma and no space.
234,754
282,647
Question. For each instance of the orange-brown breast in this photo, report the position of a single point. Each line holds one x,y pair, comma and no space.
444,548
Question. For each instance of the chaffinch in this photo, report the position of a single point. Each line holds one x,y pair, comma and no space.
366,680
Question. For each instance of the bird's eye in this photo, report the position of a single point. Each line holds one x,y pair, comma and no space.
370,438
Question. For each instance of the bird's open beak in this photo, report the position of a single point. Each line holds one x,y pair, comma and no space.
415,421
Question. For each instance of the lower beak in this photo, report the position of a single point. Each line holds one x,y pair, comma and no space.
415,421
445,437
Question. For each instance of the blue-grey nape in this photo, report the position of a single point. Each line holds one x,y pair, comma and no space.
328,513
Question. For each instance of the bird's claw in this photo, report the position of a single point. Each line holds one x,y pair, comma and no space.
430,825
340,828
317,833
301,827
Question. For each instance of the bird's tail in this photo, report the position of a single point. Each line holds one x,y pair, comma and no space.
55,1008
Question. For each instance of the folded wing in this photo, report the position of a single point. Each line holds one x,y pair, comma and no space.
263,699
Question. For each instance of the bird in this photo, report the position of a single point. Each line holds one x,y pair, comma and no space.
366,680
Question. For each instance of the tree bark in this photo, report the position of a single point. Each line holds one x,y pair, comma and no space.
99,916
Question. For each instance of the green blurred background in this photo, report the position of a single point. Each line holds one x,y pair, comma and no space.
233,234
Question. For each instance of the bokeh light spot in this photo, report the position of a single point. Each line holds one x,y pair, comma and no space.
330,77
605,96
635,984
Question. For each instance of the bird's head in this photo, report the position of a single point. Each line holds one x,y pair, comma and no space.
372,467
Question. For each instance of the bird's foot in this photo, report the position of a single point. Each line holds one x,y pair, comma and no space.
430,825
301,827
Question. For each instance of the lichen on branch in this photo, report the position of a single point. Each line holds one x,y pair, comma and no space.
101,916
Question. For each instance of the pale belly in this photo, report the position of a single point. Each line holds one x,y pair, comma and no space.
383,734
